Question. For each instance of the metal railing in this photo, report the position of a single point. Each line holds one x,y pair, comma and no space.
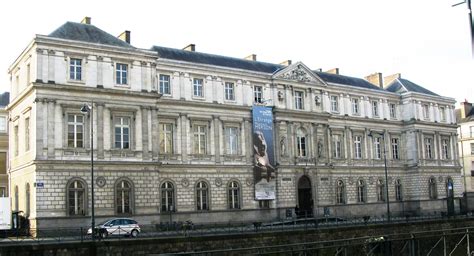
189,229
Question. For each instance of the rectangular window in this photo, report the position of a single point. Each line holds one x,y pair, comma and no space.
232,136
166,138
472,148
336,142
121,72
377,148
445,147
375,108
165,85
28,74
27,134
355,106
3,191
258,94
442,114
3,124
199,141
75,69
334,103
15,139
395,153
299,96
393,111
428,148
122,132
358,147
75,131
229,91
198,87
426,111
471,131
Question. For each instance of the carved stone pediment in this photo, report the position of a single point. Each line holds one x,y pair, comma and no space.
298,72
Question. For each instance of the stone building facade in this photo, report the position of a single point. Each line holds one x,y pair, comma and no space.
465,119
4,99
172,135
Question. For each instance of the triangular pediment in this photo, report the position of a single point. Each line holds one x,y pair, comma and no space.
298,72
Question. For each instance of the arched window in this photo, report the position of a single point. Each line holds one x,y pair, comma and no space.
124,197
380,190
361,194
27,199
167,197
202,196
432,188
340,192
17,208
301,143
76,194
398,190
234,195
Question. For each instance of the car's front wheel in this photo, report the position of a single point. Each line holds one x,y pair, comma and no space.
134,233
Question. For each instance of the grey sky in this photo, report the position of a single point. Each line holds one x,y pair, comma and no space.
427,41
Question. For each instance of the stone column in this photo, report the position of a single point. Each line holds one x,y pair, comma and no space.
348,143
217,133
248,140
327,142
326,102
145,142
100,130
184,137
144,73
50,127
155,133
290,139
39,66
51,68
40,123
314,141
366,144
100,76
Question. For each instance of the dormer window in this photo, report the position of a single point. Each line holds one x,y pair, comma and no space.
75,69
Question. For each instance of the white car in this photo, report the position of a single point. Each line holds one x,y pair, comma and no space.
118,227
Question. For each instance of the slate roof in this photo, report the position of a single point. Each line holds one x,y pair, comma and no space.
403,85
217,60
4,99
87,33
346,80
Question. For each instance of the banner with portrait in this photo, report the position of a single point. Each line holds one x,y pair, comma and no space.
264,162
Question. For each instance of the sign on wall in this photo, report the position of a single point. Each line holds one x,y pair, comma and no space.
264,170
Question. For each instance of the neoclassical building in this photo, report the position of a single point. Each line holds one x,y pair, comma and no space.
176,136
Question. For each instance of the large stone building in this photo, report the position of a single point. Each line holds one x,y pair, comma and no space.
172,136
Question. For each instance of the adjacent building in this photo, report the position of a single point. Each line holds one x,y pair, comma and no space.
4,99
465,119
178,134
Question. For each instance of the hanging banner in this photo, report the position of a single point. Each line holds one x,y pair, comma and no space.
264,171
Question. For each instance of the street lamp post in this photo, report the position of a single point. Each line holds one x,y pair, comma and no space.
86,109
371,134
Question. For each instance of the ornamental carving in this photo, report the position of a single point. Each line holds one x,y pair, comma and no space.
218,182
248,181
185,182
100,181
298,74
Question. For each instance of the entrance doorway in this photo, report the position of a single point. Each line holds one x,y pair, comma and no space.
305,198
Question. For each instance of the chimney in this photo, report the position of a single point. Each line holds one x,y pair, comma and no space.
375,79
251,57
333,71
86,20
466,108
125,36
388,79
190,47
286,63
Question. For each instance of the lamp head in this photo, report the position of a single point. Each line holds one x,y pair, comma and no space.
85,109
